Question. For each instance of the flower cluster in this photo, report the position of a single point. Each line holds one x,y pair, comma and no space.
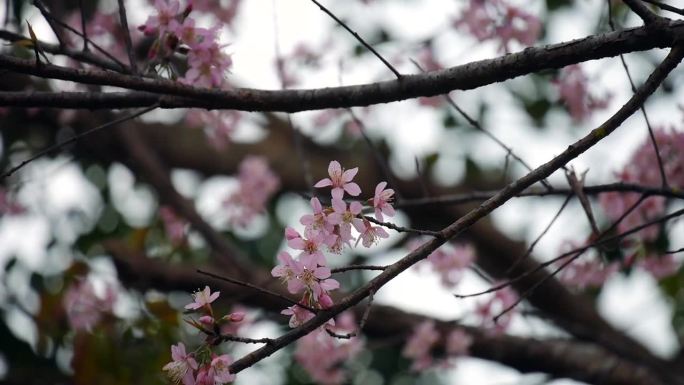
643,169
203,366
173,28
328,228
323,356
257,183
573,87
219,125
84,308
496,19
449,261
425,339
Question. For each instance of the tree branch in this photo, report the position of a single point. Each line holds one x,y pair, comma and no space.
463,77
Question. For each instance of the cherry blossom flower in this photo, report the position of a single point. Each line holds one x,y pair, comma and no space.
289,270
158,24
84,308
419,344
174,226
458,342
207,67
573,86
323,356
202,298
318,220
582,273
298,315
257,184
381,201
340,180
182,367
316,278
496,19
501,300
450,261
220,366
344,217
205,375
660,266
370,234
312,245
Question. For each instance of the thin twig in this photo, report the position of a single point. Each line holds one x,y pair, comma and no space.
360,40
529,250
51,21
634,5
83,26
257,288
644,13
364,318
75,138
39,4
475,124
582,249
675,251
400,229
357,267
127,37
380,160
245,340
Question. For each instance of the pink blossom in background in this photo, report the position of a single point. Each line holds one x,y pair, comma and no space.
499,301
496,19
257,184
202,298
458,342
159,23
340,180
450,261
181,369
582,273
642,168
84,308
573,87
8,206
174,226
323,356
660,266
419,345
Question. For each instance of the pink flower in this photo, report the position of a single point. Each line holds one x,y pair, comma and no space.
419,345
289,270
318,220
219,366
258,183
166,11
83,307
449,261
202,298
381,201
660,266
182,367
298,315
344,218
208,66
573,86
369,234
323,356
340,180
501,300
312,245
317,278
205,375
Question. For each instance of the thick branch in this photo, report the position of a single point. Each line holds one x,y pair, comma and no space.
463,77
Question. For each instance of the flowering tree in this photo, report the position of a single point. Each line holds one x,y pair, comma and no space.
161,269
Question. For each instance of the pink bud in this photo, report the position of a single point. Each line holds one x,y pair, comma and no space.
237,316
325,300
207,320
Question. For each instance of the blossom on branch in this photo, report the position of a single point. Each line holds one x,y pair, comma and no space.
340,180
